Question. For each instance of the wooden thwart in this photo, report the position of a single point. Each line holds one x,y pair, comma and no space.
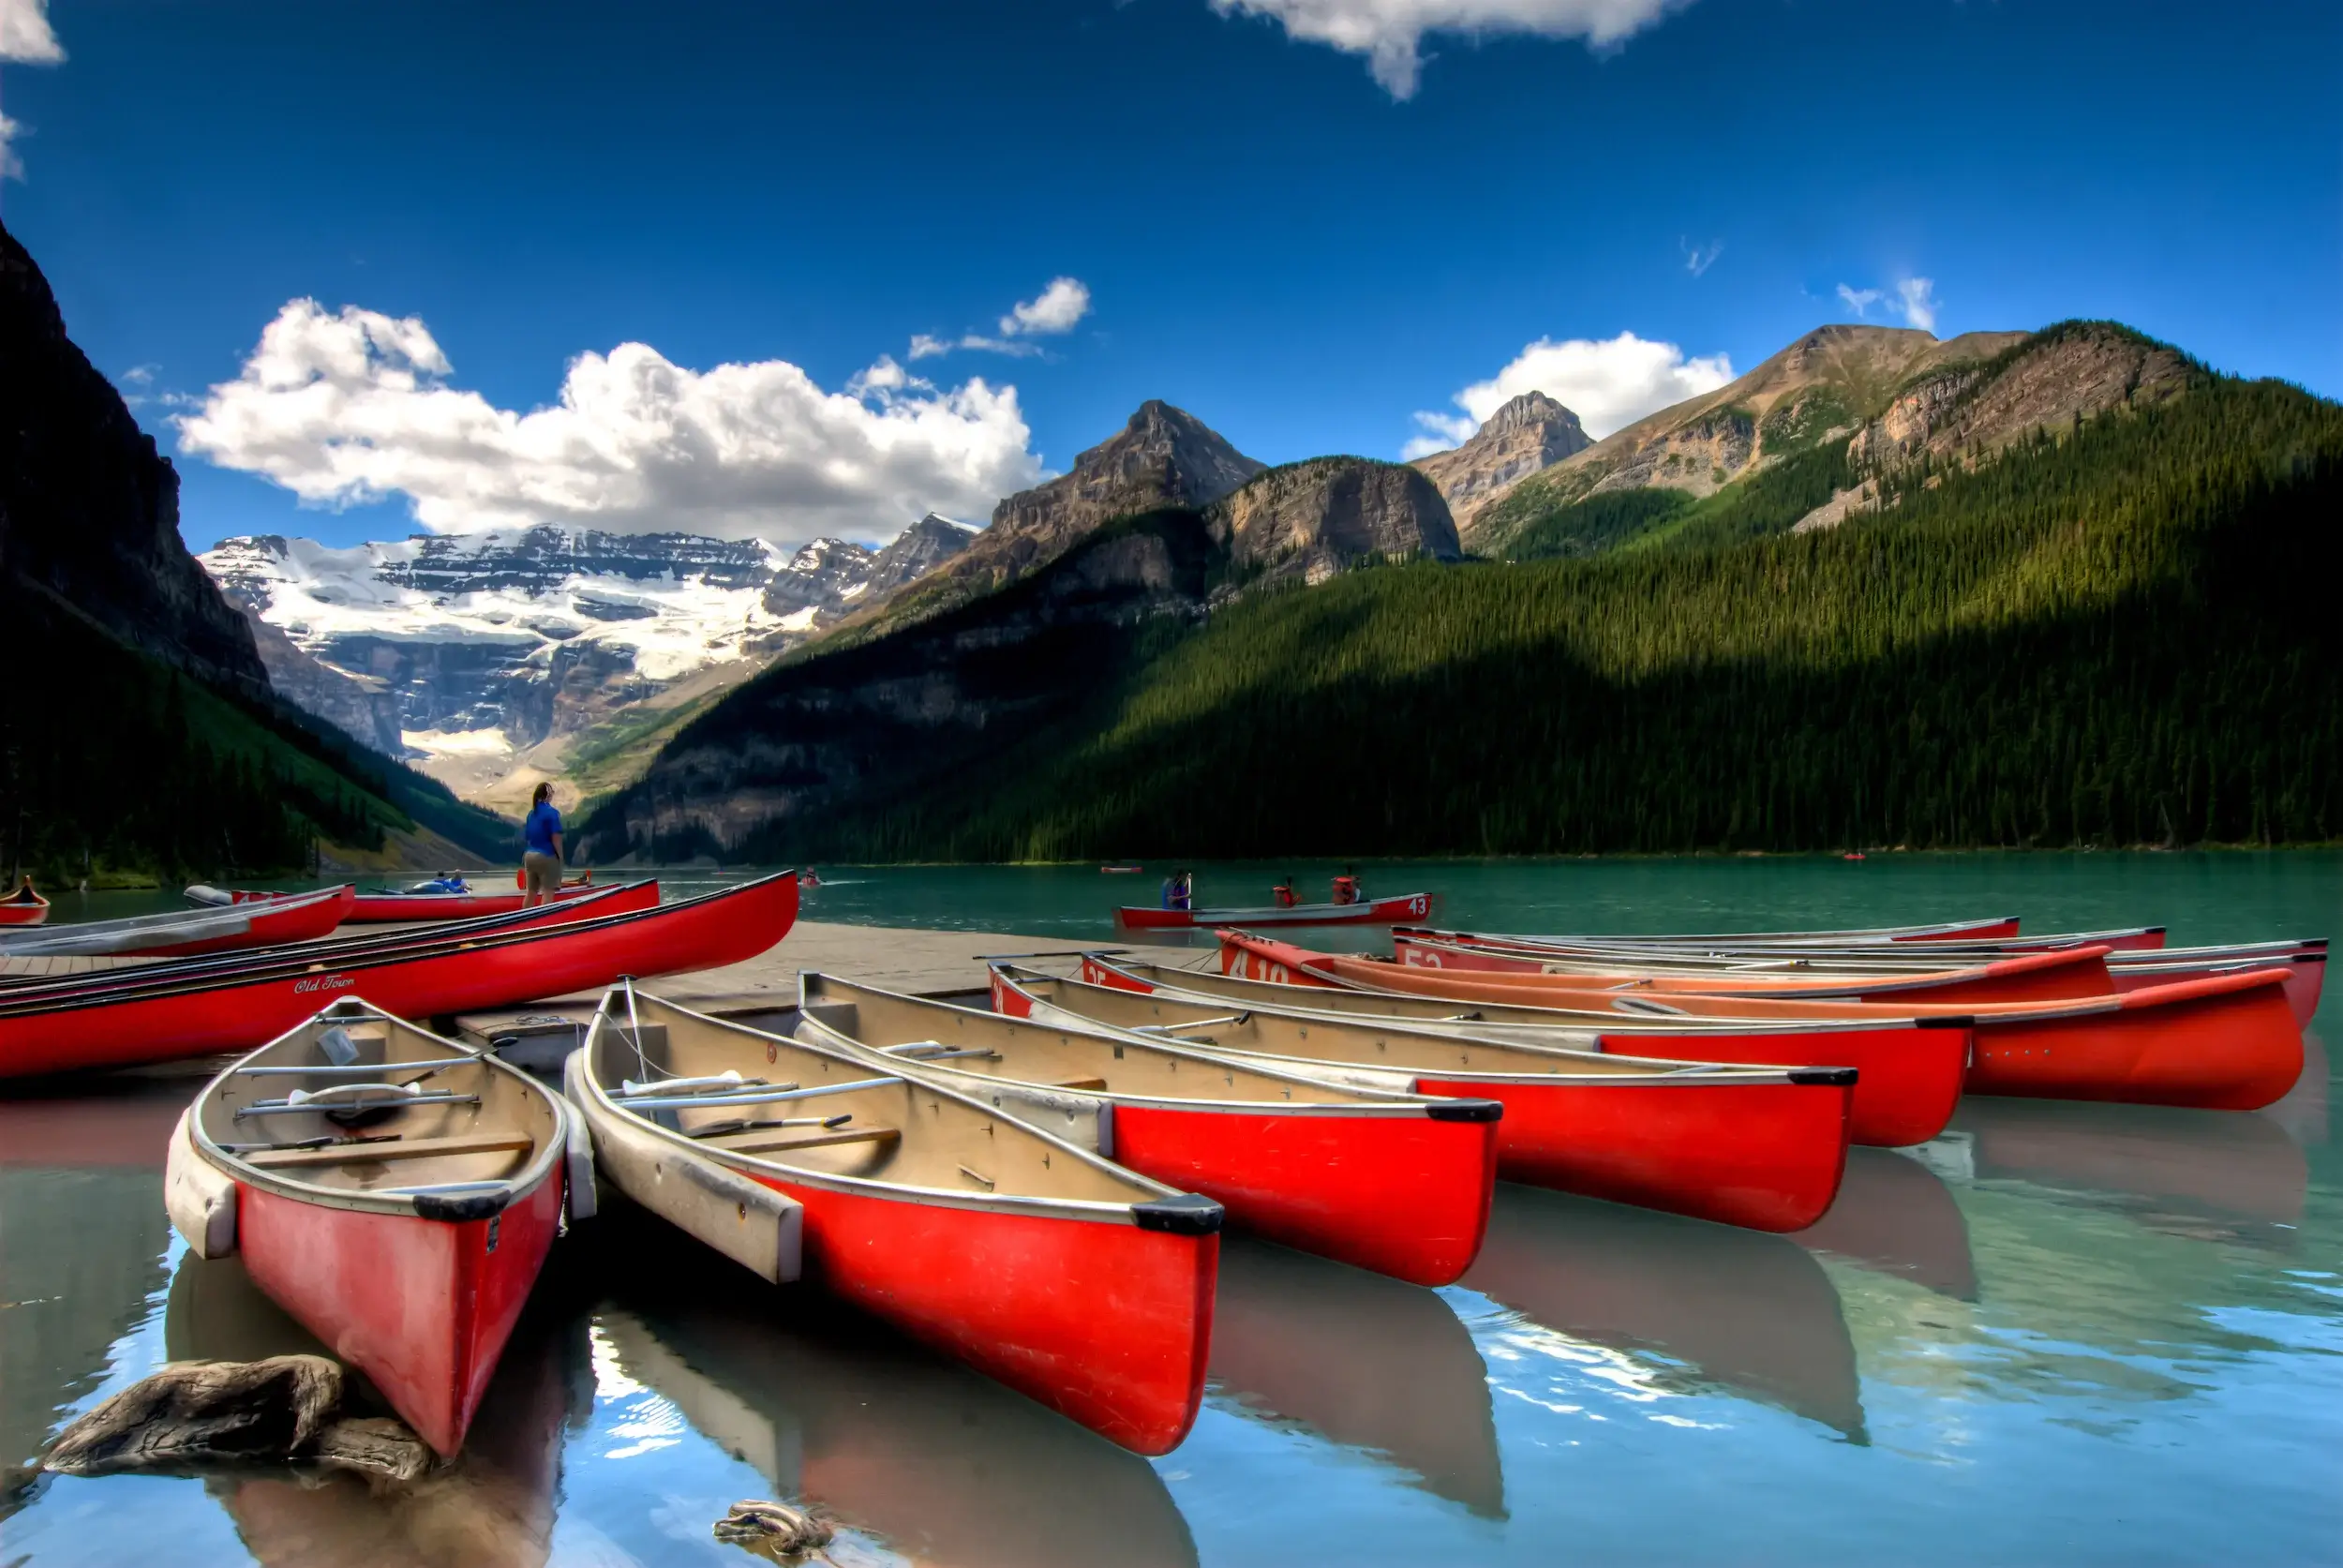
814,1141
410,1148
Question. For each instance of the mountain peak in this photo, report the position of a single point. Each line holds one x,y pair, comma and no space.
1529,433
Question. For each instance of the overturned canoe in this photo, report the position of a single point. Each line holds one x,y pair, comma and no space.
1910,1070
394,1192
1393,1182
186,933
195,1006
2228,1042
1082,1285
1758,1146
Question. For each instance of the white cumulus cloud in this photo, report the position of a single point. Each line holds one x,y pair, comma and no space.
1048,314
26,35
1391,33
1055,309
25,39
1609,384
354,406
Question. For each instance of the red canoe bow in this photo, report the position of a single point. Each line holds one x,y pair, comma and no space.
1392,1182
168,1012
2228,1042
1758,1146
409,1254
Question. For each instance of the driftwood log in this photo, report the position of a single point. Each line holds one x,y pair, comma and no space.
773,1530
193,1414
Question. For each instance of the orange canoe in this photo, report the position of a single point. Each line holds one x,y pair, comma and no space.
2228,1042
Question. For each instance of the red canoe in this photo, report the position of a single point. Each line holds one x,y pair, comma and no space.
401,1216
1910,1070
1762,1147
1374,912
192,1008
188,933
23,907
2225,1044
1081,1285
1998,937
1395,1183
2056,976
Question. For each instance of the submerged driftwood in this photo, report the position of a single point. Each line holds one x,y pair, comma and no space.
200,1413
773,1530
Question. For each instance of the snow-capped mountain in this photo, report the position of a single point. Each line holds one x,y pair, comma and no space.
464,652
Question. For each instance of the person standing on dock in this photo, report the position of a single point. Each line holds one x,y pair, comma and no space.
541,850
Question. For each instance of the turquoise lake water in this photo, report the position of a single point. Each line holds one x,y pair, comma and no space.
2061,1333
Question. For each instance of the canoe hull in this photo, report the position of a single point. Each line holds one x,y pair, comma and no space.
2224,1050
1909,1081
1107,1325
2306,979
101,1030
1374,912
422,1306
1767,1156
1403,1196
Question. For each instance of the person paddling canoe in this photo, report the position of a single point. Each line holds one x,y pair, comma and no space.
540,842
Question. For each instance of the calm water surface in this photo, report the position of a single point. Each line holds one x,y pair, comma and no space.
2062,1333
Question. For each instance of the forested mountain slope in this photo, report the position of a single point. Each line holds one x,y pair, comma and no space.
2116,628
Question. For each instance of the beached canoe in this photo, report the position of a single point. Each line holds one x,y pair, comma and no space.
188,933
1910,1070
24,906
1085,1285
1397,1183
1372,912
1762,1147
2229,1042
2054,976
1999,937
394,1192
195,1006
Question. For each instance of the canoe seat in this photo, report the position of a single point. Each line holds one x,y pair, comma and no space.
820,1137
408,1148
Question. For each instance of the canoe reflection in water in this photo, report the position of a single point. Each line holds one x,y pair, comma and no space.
1894,1215
938,1461
2179,1171
1362,1360
492,1508
1703,1306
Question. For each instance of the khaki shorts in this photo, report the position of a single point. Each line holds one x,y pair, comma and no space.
542,874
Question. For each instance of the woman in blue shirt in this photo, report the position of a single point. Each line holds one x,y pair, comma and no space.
541,856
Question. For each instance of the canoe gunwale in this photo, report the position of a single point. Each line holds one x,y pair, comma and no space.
544,1159
1089,1210
1380,1104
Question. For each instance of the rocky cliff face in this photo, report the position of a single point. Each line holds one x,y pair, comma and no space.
1312,519
89,510
1526,436
365,708
1970,410
1162,457
919,549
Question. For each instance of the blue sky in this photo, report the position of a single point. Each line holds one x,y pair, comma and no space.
1266,235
